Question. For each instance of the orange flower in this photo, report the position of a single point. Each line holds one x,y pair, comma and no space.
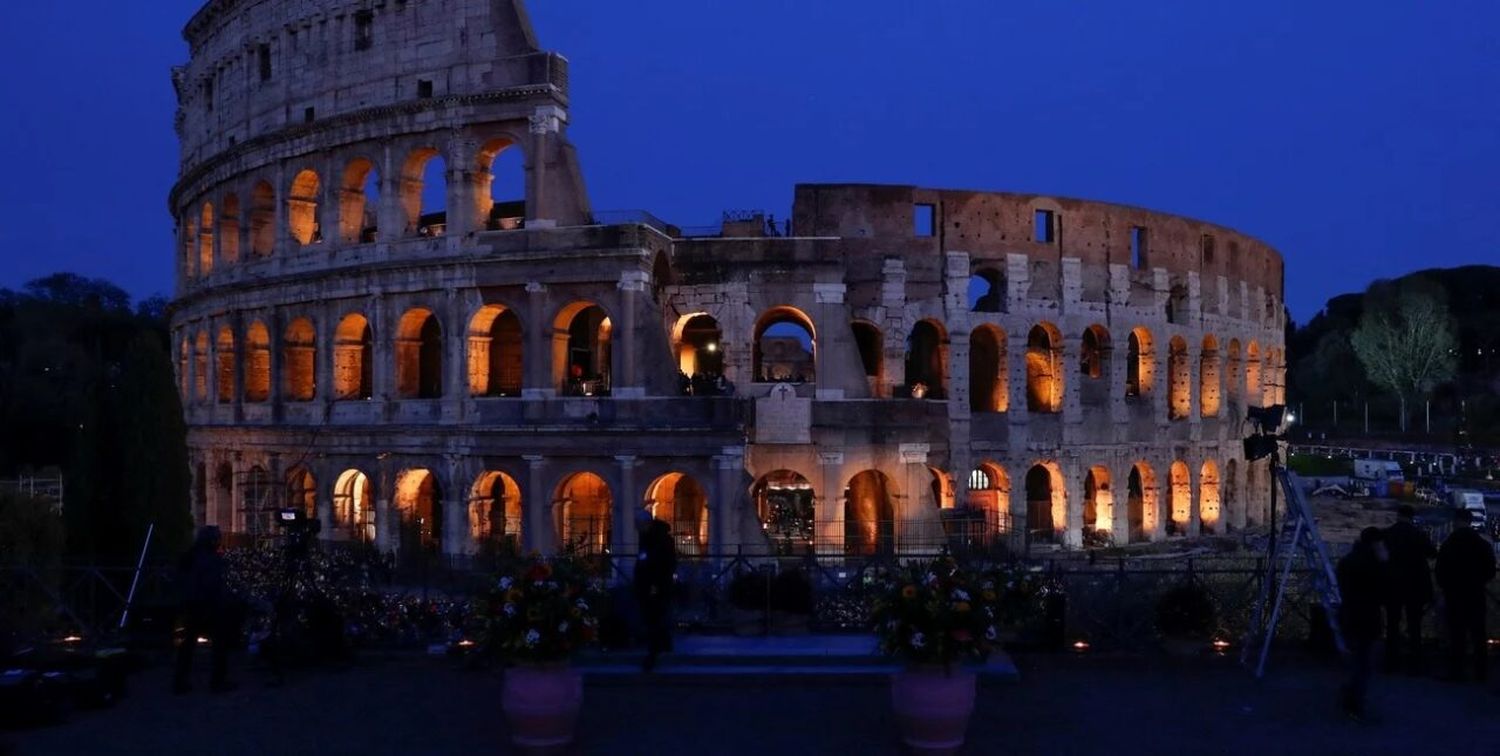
909,592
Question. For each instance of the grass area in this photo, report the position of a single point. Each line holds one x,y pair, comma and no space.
1317,464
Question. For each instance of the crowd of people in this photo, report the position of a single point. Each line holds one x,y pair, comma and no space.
1386,585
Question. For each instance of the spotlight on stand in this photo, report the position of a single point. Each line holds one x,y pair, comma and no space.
1270,419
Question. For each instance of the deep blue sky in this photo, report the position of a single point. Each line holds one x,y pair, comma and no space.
1360,138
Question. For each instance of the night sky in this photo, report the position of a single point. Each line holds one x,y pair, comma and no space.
1362,139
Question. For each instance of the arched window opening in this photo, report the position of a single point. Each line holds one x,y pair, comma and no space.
302,492
419,356
200,367
784,501
700,355
927,361
1098,506
206,240
302,209
353,359
1181,373
869,516
1272,392
989,492
1209,509
679,501
581,350
1211,383
1253,396
1236,379
785,347
299,361
418,504
424,193
1140,368
943,495
184,372
583,505
1046,502
1141,502
1182,499
495,352
1044,378
1093,359
661,276
257,501
495,513
989,375
500,186
229,230
987,291
190,246
354,507
871,344
359,202
262,220
257,363
224,347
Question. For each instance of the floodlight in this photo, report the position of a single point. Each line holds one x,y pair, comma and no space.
1259,447
1268,418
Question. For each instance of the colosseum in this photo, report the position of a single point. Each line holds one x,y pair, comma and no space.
398,311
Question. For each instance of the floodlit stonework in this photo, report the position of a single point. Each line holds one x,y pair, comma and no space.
895,368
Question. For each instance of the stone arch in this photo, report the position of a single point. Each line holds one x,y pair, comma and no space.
299,348
200,367
424,185
262,219
495,511
418,505
359,200
869,515
1140,366
987,290
1094,353
1253,395
1180,375
1044,374
583,508
224,375
1209,500
302,492
419,355
1181,482
989,373
496,352
678,500
257,363
354,507
500,205
184,371
989,492
1210,381
229,229
943,494
871,344
699,342
206,239
927,360
353,358
785,347
302,208
1046,502
582,354
1098,501
1141,502
784,503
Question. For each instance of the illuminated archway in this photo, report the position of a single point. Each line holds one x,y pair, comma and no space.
206,240
1141,502
257,363
1182,499
302,492
1209,502
496,349
302,209
700,346
424,190
679,501
359,199
583,508
1094,353
927,361
1046,502
200,367
354,507
869,516
1044,375
299,349
1098,501
229,229
1140,367
784,502
871,343
581,350
989,375
262,220
353,359
495,514
418,505
224,350
1208,374
1253,395
785,347
989,492
419,355
1181,377
500,205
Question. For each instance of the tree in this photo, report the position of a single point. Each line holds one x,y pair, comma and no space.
1405,339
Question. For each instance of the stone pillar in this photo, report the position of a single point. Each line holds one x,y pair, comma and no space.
830,315
390,216
828,506
1015,365
726,512
1195,389
1073,472
325,331
330,192
626,381
546,121
460,165
921,522
387,528
455,362
1068,372
537,383
383,330
1162,466
537,533
283,232
1232,494
1020,539
624,503
1195,493
455,499
325,477
1119,490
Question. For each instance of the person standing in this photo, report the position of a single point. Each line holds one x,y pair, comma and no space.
655,570
1362,576
1411,590
207,611
1465,564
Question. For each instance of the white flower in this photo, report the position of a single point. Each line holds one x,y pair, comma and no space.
931,577
892,625
917,641
510,610
990,633
551,585
960,595
506,583
582,605
989,585
532,637
563,627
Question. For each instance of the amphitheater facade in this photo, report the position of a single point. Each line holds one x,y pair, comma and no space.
398,311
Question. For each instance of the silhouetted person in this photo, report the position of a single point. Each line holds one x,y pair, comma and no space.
655,568
1362,578
208,611
1464,565
1411,588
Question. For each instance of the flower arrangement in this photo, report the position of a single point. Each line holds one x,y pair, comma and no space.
1023,592
936,614
1186,611
539,611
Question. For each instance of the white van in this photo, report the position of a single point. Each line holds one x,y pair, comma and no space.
1468,498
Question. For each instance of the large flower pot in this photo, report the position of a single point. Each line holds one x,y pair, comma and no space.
933,707
541,705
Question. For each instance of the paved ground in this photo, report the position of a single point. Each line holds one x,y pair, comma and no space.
1062,705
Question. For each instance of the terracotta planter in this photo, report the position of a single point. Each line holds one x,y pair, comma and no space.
541,705
933,707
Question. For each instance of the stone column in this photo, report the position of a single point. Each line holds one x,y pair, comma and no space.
455,364
460,167
625,502
325,331
387,529
1195,493
1020,539
537,533
1068,372
1163,469
330,208
383,326
626,381
1072,524
325,477
546,121
456,532
727,512
283,232
830,315
923,524
390,216
1195,389
1015,365
828,506
1119,491
538,383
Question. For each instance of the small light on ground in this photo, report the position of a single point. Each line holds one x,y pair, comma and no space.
202,641
465,643
79,639
1221,645
1080,646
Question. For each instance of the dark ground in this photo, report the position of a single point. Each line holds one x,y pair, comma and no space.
1063,705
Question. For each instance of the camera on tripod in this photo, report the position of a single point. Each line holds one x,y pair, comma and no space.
296,522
